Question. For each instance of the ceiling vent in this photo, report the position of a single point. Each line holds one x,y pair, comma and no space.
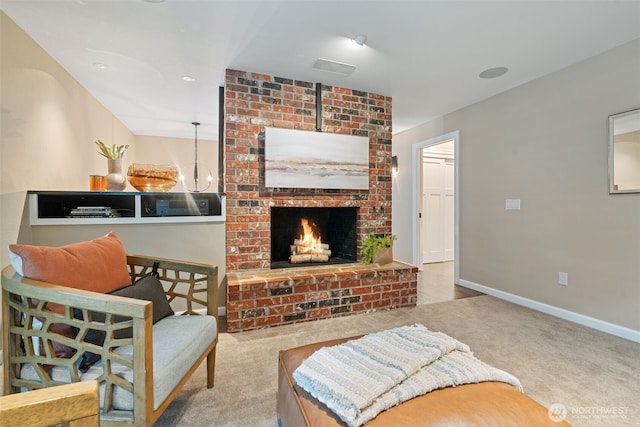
334,67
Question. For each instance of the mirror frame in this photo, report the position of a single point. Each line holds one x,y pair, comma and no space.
612,119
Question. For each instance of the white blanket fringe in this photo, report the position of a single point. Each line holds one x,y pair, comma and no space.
360,378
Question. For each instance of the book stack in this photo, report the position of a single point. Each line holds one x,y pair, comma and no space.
93,212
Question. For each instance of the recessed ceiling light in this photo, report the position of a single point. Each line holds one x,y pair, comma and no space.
100,65
188,79
492,73
360,39
334,67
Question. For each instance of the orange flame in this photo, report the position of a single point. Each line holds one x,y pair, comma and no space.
310,240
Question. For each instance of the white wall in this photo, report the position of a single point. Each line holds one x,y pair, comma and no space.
48,123
545,143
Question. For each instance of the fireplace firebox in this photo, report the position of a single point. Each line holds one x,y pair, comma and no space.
302,237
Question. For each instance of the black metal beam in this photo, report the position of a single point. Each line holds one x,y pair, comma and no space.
318,107
221,117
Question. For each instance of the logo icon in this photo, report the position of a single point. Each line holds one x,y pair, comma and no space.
557,412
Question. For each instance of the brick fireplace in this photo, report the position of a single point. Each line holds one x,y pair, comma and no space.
258,296
336,228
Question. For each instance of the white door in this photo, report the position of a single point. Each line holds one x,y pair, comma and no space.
438,209
444,146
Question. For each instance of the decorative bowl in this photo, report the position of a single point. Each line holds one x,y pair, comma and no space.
152,178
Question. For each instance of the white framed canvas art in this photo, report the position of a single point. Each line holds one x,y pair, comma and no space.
304,159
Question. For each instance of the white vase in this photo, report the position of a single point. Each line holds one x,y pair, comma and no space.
115,180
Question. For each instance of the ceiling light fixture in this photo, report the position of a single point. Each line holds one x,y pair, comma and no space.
188,79
100,65
194,177
360,39
492,73
334,67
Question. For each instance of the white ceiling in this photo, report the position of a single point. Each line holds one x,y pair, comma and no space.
426,55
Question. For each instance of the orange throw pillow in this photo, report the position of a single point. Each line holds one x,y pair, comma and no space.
98,265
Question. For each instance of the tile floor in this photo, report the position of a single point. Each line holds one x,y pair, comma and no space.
435,284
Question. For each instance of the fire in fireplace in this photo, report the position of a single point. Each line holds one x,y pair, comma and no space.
312,236
309,247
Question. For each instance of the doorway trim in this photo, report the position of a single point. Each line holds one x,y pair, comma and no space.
416,173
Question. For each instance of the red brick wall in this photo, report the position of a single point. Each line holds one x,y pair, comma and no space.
265,298
255,101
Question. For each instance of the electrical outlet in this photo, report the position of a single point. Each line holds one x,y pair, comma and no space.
563,278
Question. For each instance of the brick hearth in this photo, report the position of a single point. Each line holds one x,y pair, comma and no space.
262,298
259,297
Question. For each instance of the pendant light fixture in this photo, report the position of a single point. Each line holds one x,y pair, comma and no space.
195,174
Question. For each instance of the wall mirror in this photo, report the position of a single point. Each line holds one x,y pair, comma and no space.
624,152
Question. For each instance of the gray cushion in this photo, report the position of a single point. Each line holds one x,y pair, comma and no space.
178,341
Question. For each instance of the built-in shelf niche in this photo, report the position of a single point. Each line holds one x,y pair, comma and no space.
54,207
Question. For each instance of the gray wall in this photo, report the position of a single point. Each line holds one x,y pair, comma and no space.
544,142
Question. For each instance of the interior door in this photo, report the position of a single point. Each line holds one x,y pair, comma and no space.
438,209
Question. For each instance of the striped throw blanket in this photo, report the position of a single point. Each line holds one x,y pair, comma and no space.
360,378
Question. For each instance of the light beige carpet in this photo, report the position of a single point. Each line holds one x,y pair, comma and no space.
593,374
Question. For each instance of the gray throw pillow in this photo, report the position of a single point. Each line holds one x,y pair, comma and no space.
148,288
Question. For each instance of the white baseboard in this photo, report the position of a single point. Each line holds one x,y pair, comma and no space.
590,322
